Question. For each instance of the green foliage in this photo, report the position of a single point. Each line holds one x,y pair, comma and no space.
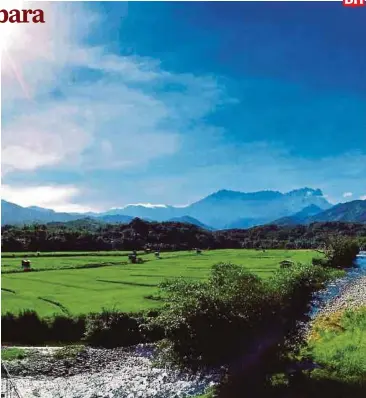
341,251
105,329
209,323
111,328
200,314
71,351
320,261
210,393
28,328
11,354
138,234
300,280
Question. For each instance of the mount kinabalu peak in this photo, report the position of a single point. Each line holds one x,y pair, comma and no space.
227,194
225,207
305,192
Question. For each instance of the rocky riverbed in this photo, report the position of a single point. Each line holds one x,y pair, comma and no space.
115,373
343,293
352,295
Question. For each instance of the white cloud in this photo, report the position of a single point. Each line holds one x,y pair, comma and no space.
122,120
347,194
58,198
363,197
43,138
150,205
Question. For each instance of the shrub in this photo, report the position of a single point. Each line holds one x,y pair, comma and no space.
108,329
320,261
208,322
112,329
26,328
213,322
66,329
341,251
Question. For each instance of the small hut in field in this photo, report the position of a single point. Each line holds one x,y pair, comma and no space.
26,265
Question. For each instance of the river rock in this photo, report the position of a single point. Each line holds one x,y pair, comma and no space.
115,373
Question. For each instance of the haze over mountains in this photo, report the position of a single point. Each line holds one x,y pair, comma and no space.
224,209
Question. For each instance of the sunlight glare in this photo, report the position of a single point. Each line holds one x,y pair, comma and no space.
9,32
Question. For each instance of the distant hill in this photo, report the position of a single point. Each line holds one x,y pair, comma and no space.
190,220
15,214
245,223
115,218
222,209
354,211
88,224
299,218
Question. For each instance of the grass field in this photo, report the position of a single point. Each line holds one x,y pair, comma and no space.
65,254
59,262
119,285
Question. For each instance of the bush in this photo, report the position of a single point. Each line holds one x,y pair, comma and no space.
292,290
209,322
320,261
66,329
213,322
341,251
108,329
26,328
112,329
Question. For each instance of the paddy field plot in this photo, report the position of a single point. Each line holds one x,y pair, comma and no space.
64,286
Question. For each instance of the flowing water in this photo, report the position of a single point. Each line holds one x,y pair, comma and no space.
335,288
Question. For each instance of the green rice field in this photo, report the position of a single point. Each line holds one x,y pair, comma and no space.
68,284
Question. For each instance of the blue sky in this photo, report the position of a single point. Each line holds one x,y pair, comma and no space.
169,102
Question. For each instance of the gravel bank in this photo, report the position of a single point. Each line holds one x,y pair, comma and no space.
346,292
352,295
117,373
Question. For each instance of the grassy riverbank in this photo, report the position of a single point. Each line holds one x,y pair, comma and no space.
337,343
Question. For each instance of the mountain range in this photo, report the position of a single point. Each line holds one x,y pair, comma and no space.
224,209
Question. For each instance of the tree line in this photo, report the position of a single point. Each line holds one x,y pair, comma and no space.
87,235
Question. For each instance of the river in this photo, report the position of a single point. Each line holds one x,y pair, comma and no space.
332,294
